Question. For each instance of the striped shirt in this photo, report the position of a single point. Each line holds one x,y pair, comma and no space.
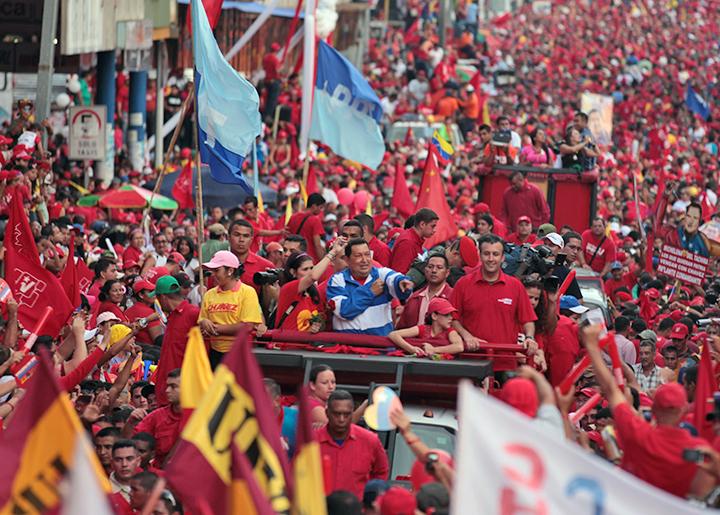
356,309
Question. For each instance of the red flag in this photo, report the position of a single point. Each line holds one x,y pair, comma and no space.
401,199
213,8
232,441
432,196
706,386
412,34
182,189
409,138
69,277
33,286
311,186
85,276
291,31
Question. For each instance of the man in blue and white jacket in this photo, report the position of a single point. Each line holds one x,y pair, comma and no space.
360,295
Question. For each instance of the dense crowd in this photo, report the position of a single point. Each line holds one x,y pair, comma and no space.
346,257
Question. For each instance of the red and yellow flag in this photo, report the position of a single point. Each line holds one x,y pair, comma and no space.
232,441
196,374
39,447
309,498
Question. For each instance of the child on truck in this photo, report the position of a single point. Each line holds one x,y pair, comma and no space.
438,327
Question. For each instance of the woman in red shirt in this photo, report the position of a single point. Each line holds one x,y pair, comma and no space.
300,305
112,298
438,326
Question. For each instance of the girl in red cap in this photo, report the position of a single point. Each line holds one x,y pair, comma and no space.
438,327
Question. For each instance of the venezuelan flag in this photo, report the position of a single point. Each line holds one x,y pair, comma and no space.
444,149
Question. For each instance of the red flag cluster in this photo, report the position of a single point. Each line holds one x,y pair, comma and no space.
33,286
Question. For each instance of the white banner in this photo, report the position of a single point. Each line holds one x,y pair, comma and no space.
508,465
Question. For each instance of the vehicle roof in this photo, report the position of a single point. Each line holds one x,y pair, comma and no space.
431,415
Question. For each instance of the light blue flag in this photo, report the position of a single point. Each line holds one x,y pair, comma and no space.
346,111
227,104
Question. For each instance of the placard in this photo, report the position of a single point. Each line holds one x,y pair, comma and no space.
683,265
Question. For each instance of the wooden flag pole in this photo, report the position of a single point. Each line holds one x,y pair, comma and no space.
168,153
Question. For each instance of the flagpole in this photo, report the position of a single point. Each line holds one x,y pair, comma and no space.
200,213
173,140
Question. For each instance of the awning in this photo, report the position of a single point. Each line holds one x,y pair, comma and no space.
254,8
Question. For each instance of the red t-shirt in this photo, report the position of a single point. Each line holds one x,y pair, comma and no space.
381,252
561,349
440,340
164,425
605,254
140,310
407,247
299,317
515,239
654,454
132,254
311,228
172,351
112,308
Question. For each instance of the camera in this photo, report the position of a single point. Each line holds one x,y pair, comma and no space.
522,260
501,138
269,276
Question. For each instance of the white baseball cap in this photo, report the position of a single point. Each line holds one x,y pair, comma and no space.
555,239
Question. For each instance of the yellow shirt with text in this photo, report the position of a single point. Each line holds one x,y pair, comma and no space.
226,307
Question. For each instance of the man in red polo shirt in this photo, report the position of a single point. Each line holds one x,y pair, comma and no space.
492,306
308,225
409,245
163,423
654,453
523,232
241,237
181,317
355,454
598,249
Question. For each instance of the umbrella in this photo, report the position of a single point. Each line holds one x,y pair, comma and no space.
129,197
89,200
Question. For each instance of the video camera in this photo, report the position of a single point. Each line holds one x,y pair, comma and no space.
269,276
522,260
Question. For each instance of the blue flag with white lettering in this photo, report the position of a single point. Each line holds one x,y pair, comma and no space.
227,106
346,112
696,103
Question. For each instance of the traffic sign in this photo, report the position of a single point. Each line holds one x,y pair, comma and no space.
87,132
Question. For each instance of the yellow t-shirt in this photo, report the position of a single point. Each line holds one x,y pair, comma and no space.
240,304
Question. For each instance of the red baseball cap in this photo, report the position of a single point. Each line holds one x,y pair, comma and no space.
520,393
176,257
670,395
142,284
524,219
397,501
679,331
440,305
272,247
4,140
130,264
